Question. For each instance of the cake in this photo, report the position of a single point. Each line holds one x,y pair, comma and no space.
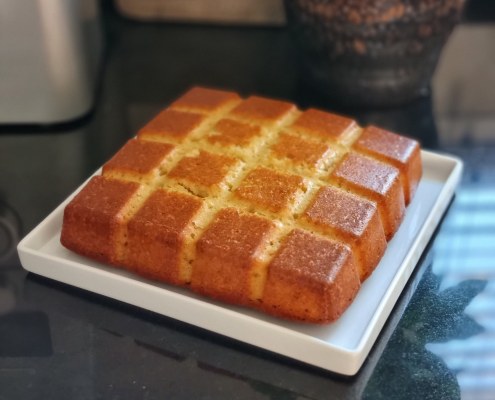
249,201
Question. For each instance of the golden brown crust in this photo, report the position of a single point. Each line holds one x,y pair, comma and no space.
270,190
323,124
262,110
229,132
203,169
376,181
252,202
156,235
171,125
310,279
93,219
138,159
354,220
299,150
402,152
205,100
227,253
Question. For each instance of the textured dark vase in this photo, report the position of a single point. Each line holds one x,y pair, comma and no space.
374,53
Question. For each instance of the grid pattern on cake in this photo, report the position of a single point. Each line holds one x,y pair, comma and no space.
228,186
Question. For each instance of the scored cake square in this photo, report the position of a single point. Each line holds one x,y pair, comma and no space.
376,181
207,100
299,151
263,111
228,132
310,279
158,233
138,160
94,221
402,152
353,220
270,190
229,263
324,125
171,125
205,174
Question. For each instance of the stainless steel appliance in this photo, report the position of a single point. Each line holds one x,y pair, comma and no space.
49,56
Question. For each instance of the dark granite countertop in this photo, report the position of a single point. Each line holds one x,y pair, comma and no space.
60,342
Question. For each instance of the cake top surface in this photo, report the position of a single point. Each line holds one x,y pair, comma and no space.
264,158
167,211
269,189
301,151
139,156
203,168
310,259
340,210
388,144
229,132
234,236
205,99
172,124
105,196
262,110
321,123
366,172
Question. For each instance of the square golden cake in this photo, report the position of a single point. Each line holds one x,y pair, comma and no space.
252,202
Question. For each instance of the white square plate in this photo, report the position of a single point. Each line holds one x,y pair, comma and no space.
340,347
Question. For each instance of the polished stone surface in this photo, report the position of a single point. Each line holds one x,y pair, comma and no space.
61,342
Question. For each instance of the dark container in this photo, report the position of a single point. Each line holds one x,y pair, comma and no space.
372,53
